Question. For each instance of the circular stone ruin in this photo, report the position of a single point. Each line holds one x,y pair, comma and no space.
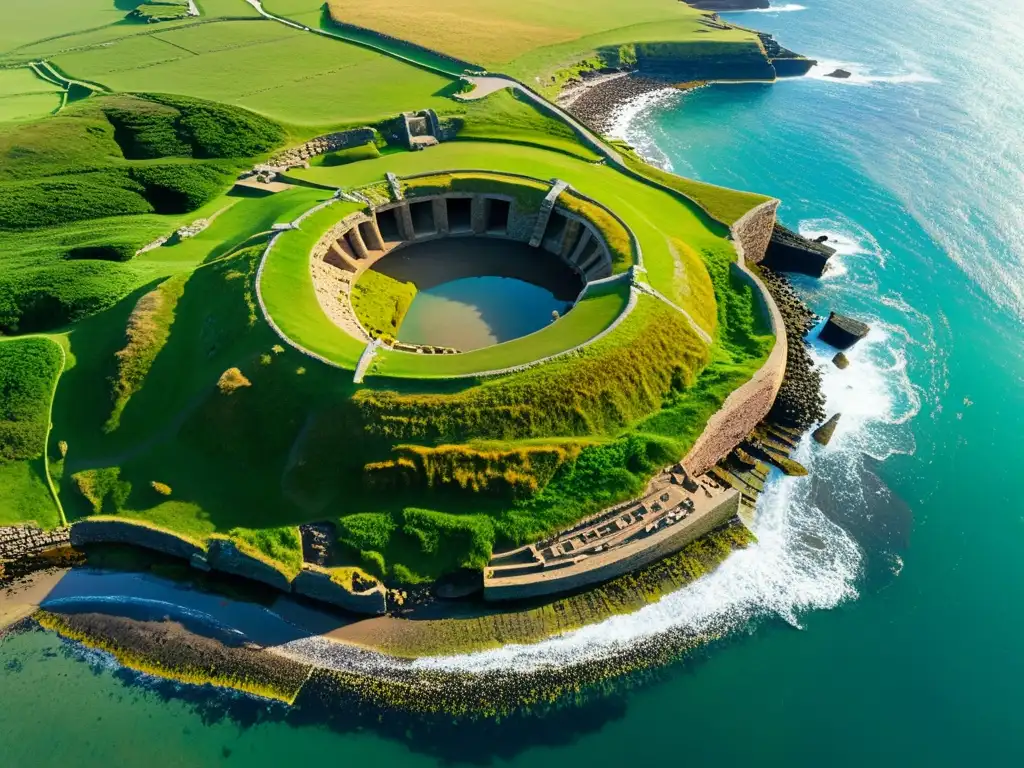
491,257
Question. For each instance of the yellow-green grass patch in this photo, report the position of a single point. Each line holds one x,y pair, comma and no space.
533,38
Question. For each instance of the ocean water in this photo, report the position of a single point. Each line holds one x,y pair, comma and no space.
877,620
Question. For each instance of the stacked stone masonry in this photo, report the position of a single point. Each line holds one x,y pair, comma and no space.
20,540
747,406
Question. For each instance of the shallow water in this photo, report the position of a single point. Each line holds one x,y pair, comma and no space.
475,312
877,619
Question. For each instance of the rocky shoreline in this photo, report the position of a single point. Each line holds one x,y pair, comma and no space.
596,100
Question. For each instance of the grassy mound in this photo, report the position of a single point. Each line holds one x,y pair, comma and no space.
380,302
46,297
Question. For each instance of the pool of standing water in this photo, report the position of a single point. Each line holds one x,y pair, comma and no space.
473,292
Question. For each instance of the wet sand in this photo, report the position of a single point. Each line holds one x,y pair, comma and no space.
22,598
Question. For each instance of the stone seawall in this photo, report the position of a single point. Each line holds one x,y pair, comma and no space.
317,584
745,408
726,509
128,532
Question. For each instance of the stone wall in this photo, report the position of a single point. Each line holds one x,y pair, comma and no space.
318,585
19,540
717,516
110,531
753,232
321,145
225,556
747,406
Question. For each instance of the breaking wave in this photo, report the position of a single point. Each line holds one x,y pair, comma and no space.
625,123
787,8
859,75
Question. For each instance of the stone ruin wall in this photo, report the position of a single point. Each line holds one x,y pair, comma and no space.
753,231
321,145
19,540
746,407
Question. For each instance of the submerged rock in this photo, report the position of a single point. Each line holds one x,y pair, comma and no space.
840,74
843,332
823,434
841,361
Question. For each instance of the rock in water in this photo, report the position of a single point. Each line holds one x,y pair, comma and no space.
788,251
841,361
823,434
843,332
840,74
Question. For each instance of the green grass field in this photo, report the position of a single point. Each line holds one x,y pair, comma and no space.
283,73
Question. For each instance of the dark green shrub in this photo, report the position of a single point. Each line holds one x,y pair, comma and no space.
218,130
108,252
48,297
60,200
180,187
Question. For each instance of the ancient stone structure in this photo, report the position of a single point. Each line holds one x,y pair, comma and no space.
20,540
843,332
747,406
119,531
789,252
321,145
357,242
631,537
753,232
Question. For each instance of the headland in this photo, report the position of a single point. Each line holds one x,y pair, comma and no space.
241,405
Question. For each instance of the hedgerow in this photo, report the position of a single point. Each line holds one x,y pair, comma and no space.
219,130
27,370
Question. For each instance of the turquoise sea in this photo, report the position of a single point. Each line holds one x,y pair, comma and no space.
878,620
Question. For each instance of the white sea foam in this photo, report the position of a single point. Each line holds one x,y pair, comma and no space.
787,8
849,241
625,123
861,76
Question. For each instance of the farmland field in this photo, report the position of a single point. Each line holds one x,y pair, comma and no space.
531,37
279,72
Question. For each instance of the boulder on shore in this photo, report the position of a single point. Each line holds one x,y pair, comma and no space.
791,252
841,361
840,74
823,434
843,332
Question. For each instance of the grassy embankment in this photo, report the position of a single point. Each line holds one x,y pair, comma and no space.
380,302
29,369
